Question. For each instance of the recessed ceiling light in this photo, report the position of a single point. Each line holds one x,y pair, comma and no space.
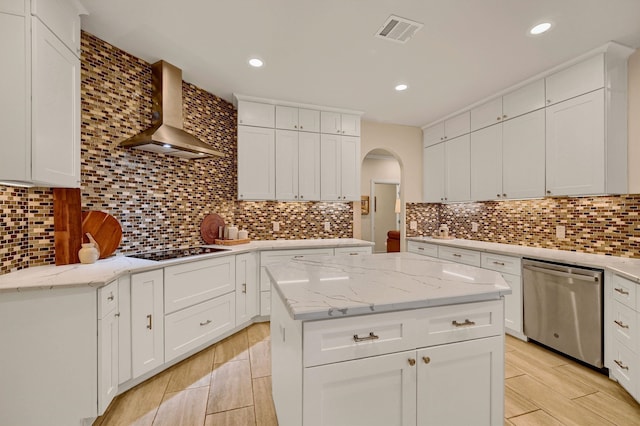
401,87
256,62
540,28
166,145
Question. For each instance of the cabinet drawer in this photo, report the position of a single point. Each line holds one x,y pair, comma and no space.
195,282
107,299
446,324
624,367
468,257
625,325
197,325
424,249
357,337
624,291
496,262
269,258
352,251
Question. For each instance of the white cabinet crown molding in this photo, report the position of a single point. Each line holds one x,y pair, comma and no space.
239,97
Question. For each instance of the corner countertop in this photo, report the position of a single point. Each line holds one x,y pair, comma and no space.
629,268
333,287
104,271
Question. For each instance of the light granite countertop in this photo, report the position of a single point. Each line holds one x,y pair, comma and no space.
329,287
629,268
106,270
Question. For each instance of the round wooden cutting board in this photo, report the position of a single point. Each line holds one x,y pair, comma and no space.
104,228
210,226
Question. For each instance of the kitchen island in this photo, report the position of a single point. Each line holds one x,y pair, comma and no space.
390,339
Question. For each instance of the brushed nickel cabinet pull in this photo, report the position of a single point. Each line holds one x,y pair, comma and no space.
426,359
371,336
621,365
298,256
244,288
110,296
149,322
117,315
411,361
205,323
621,324
457,255
495,262
621,291
421,248
466,323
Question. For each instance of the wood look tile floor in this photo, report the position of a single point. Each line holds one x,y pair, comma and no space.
229,384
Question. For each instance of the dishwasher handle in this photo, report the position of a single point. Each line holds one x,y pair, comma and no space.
590,278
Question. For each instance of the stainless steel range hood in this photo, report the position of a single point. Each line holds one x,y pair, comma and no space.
166,134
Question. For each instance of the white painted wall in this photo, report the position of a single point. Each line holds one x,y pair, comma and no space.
379,169
634,122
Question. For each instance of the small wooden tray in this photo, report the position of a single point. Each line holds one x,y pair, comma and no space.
438,237
232,242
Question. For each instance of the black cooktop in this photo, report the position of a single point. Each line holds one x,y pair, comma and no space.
176,253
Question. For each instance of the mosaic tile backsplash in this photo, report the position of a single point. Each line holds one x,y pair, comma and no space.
603,225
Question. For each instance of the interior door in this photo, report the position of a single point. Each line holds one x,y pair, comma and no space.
385,218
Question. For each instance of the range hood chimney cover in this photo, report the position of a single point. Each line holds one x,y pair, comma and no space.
166,135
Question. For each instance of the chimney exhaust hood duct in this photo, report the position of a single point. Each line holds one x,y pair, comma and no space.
166,135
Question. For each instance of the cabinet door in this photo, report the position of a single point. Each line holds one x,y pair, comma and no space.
286,118
246,287
371,391
309,120
309,166
256,114
147,322
461,383
256,163
486,163
433,135
523,159
330,166
330,123
108,353
350,168
576,80
55,109
63,18
286,165
15,86
486,114
124,328
523,100
433,165
457,168
513,303
575,146
457,126
350,125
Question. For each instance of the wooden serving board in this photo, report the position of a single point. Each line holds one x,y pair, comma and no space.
232,242
105,229
67,225
210,226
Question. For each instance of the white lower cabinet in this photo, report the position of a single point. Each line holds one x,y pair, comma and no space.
147,322
108,345
246,287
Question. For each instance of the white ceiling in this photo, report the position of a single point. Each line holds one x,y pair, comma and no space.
324,52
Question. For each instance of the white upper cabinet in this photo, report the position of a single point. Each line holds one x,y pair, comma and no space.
286,165
523,100
340,168
256,114
457,169
256,163
339,124
40,102
350,168
433,166
576,80
309,166
291,118
486,163
486,114
448,129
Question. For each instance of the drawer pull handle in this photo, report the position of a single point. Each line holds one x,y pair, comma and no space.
206,322
371,336
110,297
621,324
298,257
621,291
495,262
411,361
421,248
150,322
244,288
457,255
466,323
621,365
426,359
353,254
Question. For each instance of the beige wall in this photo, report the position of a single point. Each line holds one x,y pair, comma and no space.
378,169
634,122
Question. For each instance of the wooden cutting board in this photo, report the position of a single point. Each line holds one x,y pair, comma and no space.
67,225
104,228
210,226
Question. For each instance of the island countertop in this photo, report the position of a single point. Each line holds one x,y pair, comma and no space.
331,287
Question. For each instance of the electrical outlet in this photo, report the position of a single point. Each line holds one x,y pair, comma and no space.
560,231
474,226
276,226
413,225
327,226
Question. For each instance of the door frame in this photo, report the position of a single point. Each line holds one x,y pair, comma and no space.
372,198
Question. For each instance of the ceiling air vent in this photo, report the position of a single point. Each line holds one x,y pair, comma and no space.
398,29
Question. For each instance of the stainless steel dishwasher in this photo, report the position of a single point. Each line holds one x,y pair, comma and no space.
563,308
